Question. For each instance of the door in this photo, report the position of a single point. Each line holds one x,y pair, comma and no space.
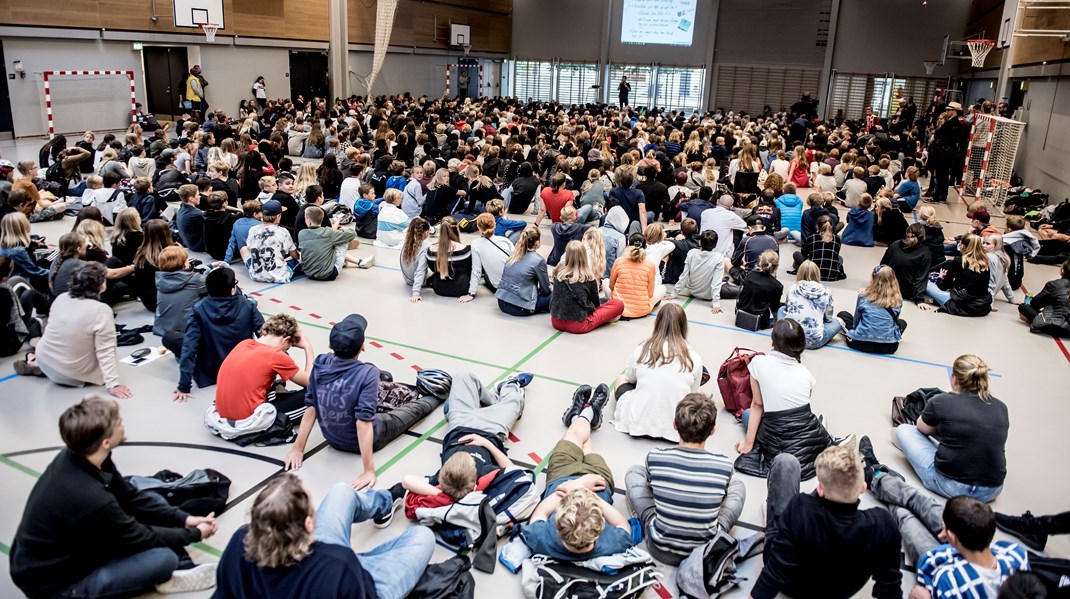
165,69
308,76
6,122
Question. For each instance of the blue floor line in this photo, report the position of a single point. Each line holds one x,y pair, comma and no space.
386,267
276,285
8,377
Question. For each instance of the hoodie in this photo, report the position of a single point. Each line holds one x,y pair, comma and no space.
809,220
859,229
176,292
790,211
343,391
1022,242
614,233
215,325
810,304
564,233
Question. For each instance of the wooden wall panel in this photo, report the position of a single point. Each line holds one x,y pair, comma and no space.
415,23
1033,50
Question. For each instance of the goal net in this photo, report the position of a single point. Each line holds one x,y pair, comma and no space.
77,101
990,160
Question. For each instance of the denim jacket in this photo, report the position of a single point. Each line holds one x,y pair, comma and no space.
875,324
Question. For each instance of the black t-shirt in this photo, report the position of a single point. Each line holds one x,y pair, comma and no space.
485,463
289,214
973,437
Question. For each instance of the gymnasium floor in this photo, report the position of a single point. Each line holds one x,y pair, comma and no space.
853,392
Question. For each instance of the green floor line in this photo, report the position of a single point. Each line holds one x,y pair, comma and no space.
542,465
20,467
5,549
208,549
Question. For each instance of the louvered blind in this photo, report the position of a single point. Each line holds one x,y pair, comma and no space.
853,92
640,76
533,79
750,87
574,81
680,88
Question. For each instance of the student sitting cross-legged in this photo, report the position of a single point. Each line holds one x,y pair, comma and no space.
343,396
290,550
574,302
684,493
323,249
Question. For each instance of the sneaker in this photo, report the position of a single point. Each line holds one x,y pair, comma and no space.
184,581
1026,527
933,201
598,403
24,368
580,398
850,442
521,378
869,458
366,262
397,493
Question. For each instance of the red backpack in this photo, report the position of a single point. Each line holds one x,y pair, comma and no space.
733,379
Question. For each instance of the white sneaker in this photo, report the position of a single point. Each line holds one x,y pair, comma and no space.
366,262
850,442
198,578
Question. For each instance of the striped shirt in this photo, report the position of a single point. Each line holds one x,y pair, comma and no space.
947,575
688,486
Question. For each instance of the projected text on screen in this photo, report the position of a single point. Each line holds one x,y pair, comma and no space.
670,22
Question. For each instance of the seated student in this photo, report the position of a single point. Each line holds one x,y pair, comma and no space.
15,244
449,263
683,494
489,255
442,198
962,286
239,234
875,327
78,345
999,263
574,305
908,193
137,540
105,195
972,425
809,303
554,198
218,225
661,371
824,180
247,376
216,324
810,535
525,286
703,272
343,396
270,253
767,210
817,209
725,222
889,225
761,292
289,550
658,250
687,240
157,237
284,196
823,249
909,258
699,203
190,219
415,245
934,236
219,175
747,255
412,197
575,520
268,186
564,230
504,227
311,196
614,236
860,220
324,249
632,280
19,324
349,192
144,200
969,564
178,289
473,451
1016,237
392,221
780,419
874,181
1054,302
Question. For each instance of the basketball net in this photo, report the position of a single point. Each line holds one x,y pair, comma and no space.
384,25
930,65
979,49
467,48
209,31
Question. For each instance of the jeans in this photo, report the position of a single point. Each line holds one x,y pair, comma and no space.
396,565
641,498
933,290
514,236
391,425
542,305
920,451
471,405
127,576
782,484
602,315
587,214
831,329
919,517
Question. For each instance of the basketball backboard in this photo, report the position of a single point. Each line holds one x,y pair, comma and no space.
194,13
460,35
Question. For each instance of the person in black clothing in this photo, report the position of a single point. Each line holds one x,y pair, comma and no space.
623,89
219,173
284,196
760,293
87,532
524,187
821,544
655,192
947,150
910,258
218,224
329,177
686,241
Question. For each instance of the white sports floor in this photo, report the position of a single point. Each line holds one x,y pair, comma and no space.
853,392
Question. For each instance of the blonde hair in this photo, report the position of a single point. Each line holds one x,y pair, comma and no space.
670,333
575,267
15,231
128,220
883,289
392,195
997,248
973,254
457,477
568,214
415,234
596,250
808,271
768,262
93,231
306,175
971,373
927,214
528,242
277,536
839,471
579,519
653,233
485,223
448,232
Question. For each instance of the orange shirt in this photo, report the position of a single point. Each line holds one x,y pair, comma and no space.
554,202
246,376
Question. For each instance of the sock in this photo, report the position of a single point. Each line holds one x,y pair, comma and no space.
588,413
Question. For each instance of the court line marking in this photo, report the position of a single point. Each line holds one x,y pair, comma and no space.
1058,341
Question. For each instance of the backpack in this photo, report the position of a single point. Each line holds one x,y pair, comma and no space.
1054,574
710,570
201,492
450,579
333,208
733,380
907,410
56,175
466,223
547,578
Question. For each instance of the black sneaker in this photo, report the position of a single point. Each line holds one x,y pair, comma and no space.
397,493
1026,527
869,459
580,398
598,403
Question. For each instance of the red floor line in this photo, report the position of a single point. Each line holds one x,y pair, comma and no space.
513,438
535,459
295,308
373,343
276,300
662,592
396,356
1059,342
416,367
316,316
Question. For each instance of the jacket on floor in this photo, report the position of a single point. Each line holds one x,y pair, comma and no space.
796,431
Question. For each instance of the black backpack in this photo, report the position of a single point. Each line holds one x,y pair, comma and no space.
547,578
56,175
450,579
201,492
1053,572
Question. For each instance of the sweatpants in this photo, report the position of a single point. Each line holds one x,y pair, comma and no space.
602,315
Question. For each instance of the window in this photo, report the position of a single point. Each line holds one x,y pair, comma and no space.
749,88
574,81
680,88
533,79
639,76
853,92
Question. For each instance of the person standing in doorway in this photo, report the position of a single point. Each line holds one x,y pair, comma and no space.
193,98
623,90
462,83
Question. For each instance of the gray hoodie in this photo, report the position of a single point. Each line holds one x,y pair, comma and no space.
176,292
702,276
1022,242
614,234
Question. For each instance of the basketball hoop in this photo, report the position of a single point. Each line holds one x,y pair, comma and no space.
930,65
467,48
979,49
209,31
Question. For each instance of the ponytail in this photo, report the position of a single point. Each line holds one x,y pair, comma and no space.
448,232
637,247
528,242
971,373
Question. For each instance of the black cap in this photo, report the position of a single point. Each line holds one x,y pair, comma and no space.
347,337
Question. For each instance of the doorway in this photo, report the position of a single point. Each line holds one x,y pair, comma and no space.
166,67
308,76
7,124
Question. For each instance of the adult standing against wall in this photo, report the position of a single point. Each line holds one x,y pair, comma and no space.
193,95
623,90
260,92
947,149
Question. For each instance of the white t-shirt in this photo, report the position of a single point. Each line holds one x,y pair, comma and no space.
655,254
349,193
261,93
781,167
785,383
269,250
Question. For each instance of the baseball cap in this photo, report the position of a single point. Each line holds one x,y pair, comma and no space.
168,153
981,215
272,208
6,166
347,336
